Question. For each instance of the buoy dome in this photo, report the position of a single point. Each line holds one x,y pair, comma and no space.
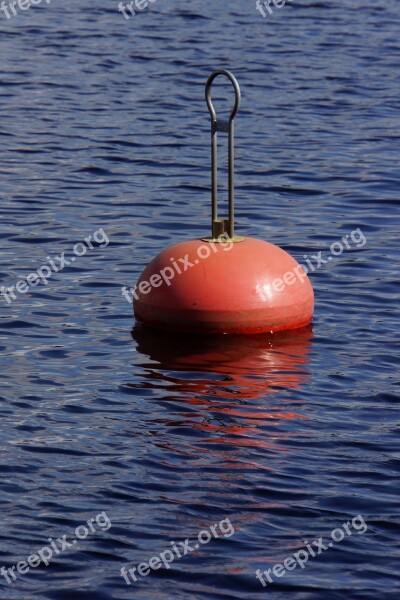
223,287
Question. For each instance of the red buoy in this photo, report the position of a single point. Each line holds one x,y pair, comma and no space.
224,283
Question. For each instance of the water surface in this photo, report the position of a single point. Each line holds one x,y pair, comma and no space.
104,126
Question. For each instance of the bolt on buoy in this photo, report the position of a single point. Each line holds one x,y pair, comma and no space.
216,285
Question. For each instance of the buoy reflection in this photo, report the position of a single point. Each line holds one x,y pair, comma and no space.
226,385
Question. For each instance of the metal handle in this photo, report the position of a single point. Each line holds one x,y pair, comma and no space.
221,226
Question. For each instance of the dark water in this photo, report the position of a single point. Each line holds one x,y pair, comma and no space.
104,126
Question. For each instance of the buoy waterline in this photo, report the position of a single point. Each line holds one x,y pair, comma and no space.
223,283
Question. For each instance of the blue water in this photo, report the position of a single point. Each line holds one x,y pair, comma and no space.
104,127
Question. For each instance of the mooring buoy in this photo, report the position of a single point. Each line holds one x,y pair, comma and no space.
224,283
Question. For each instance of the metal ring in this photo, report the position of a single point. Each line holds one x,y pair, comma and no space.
236,87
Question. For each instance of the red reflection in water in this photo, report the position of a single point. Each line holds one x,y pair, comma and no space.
226,383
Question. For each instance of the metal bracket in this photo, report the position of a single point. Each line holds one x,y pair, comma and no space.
222,226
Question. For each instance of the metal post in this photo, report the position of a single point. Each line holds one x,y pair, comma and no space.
223,226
